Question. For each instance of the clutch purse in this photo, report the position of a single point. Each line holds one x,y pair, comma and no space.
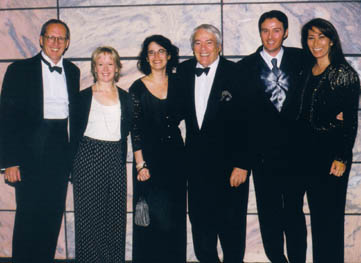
141,217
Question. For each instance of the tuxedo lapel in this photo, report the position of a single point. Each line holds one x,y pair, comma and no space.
191,84
70,80
38,88
288,66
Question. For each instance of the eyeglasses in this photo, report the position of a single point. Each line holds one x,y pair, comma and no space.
52,39
161,51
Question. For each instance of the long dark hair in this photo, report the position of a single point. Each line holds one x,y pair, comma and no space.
336,55
143,64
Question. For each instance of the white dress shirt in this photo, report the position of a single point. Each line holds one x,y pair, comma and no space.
202,89
267,58
55,91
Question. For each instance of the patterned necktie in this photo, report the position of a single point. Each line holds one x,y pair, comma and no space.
200,71
275,69
56,68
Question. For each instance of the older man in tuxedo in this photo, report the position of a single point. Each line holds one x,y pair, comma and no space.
217,199
271,77
36,108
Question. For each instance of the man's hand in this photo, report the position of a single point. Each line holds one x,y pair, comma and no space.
12,174
238,177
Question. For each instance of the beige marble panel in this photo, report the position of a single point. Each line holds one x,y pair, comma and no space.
7,196
69,206
125,28
241,24
61,248
6,232
20,30
70,234
27,3
353,239
3,67
353,203
73,3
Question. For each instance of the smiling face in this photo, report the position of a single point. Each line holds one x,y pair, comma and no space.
205,47
157,56
318,44
105,68
54,42
272,35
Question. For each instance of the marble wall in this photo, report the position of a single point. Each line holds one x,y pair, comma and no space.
124,24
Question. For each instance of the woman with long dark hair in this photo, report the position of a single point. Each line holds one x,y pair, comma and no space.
158,155
329,111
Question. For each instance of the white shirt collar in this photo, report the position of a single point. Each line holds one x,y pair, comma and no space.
267,57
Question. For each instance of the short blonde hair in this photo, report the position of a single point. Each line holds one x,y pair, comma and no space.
113,53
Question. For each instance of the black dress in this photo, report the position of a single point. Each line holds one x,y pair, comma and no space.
155,131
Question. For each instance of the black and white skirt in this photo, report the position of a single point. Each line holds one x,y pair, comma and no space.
100,191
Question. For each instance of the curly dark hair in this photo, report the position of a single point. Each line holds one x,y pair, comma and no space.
172,50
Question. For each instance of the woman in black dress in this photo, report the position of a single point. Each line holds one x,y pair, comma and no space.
329,113
158,152
100,132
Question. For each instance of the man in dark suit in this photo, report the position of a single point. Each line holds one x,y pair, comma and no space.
36,107
217,200
272,76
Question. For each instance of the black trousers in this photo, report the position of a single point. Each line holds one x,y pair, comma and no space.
225,220
326,196
279,203
40,196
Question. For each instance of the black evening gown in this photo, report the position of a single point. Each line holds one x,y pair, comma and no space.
155,131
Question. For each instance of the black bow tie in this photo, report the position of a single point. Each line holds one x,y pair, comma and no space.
200,71
56,68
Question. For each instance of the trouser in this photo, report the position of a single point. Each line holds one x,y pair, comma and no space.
279,203
327,199
226,221
40,196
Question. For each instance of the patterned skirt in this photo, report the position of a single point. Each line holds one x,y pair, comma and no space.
100,191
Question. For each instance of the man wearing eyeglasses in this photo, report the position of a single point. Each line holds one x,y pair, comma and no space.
36,108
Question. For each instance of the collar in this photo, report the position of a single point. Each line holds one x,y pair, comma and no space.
267,57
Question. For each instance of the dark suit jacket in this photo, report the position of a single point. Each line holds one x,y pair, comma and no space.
269,131
81,117
21,107
208,149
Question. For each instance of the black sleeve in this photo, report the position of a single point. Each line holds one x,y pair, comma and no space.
11,109
137,117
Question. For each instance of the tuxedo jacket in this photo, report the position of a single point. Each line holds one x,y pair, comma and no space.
81,117
270,132
21,107
208,147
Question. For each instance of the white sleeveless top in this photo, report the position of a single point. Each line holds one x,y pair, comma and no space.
104,121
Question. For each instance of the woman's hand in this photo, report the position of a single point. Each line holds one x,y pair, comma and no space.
143,175
337,168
